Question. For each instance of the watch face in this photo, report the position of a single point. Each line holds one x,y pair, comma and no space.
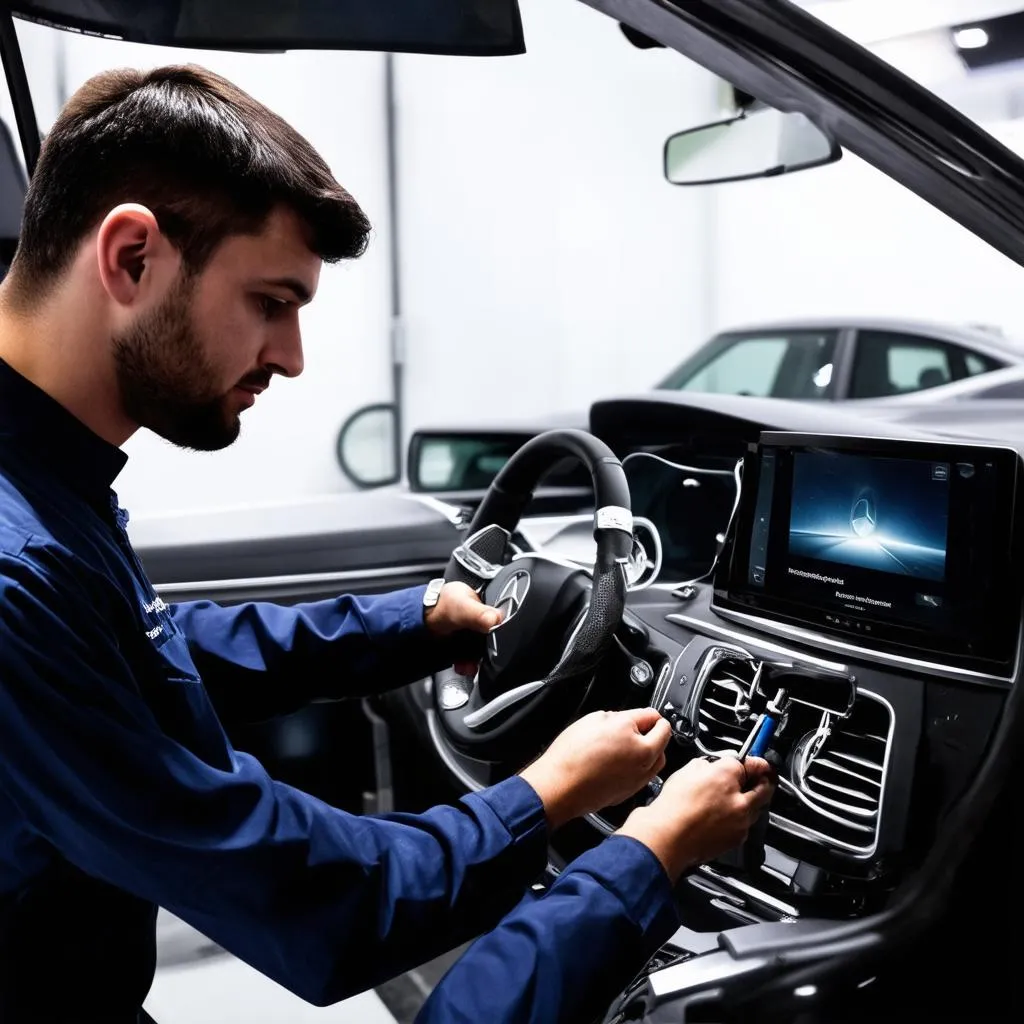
433,592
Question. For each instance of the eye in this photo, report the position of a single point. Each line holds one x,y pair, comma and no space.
270,307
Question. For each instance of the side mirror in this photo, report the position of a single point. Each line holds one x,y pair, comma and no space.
758,145
367,446
447,461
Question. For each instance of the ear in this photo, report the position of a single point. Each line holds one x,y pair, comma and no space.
131,252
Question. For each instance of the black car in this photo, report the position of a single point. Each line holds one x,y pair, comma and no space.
855,584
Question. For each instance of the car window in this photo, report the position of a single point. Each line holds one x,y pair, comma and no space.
975,363
887,363
793,365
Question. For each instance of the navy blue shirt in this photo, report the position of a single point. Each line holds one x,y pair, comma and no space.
119,790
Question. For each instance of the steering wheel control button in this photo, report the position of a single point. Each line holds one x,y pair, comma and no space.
453,696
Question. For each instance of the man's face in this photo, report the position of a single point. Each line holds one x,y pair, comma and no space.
188,367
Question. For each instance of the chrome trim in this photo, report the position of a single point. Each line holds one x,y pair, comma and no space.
298,579
716,969
701,626
961,675
446,755
711,658
749,890
601,824
504,700
822,838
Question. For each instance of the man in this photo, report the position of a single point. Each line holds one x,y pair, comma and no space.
171,232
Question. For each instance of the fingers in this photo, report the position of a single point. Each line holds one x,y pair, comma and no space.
758,768
759,795
483,618
657,737
645,719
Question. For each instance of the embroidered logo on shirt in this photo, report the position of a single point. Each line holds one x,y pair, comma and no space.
154,607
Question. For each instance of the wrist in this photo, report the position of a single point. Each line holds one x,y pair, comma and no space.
665,843
553,793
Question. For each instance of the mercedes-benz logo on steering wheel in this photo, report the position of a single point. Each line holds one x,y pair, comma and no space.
510,601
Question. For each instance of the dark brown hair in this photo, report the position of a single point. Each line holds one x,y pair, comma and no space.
206,158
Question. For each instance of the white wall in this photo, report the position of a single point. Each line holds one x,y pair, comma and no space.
545,260
287,444
847,240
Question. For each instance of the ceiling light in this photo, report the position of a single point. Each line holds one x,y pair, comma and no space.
970,38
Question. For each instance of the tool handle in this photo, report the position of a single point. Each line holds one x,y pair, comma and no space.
763,738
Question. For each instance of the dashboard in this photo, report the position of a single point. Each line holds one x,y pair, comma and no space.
872,581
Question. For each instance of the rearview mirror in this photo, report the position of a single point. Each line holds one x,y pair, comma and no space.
759,145
367,447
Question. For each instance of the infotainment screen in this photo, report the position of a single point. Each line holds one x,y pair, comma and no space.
901,544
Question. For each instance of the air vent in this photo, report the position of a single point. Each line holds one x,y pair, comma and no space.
722,700
833,775
832,788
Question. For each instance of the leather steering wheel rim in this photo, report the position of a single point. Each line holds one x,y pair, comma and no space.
485,729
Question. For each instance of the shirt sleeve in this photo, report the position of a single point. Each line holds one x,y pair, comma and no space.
323,902
565,955
260,659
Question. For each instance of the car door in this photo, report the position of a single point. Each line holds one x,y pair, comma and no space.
891,363
359,543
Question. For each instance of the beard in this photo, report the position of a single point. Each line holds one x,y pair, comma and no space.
165,377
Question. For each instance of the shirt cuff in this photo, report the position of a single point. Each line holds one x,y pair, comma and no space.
627,868
410,608
514,802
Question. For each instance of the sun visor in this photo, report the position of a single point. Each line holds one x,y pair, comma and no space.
481,28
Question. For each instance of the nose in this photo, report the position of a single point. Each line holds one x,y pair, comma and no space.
284,353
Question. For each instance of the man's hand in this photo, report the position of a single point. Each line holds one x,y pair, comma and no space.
459,609
598,761
702,811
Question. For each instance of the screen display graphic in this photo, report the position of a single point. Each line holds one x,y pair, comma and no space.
880,515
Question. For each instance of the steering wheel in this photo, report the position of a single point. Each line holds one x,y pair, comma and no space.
559,618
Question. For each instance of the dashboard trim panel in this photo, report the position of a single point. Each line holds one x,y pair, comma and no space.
898,661
297,579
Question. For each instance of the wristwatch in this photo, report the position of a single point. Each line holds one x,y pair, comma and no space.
434,588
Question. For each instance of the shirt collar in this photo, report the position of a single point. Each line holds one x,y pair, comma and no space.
51,436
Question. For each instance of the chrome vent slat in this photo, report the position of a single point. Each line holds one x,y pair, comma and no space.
860,761
840,790
824,762
828,801
823,812
843,789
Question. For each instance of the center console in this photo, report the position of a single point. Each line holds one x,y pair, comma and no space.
867,596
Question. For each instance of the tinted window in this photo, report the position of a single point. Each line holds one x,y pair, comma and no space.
886,363
975,364
780,365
